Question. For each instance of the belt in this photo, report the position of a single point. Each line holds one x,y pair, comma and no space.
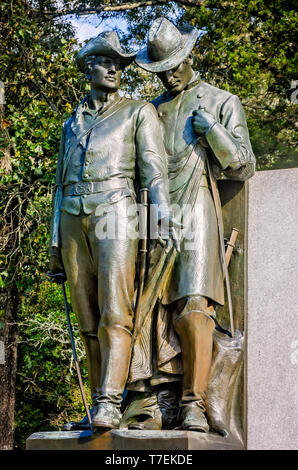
90,187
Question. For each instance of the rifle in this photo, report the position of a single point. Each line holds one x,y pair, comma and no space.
142,257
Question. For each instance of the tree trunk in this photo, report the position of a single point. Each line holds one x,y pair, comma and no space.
8,361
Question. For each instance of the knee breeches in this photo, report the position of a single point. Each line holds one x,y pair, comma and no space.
100,271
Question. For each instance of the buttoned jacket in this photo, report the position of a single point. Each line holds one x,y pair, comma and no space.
124,142
227,141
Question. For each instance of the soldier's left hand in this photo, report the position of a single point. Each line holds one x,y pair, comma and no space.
168,233
202,121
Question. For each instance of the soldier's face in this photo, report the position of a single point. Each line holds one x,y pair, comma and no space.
175,80
105,73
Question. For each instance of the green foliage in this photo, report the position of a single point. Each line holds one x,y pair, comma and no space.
246,47
42,86
47,392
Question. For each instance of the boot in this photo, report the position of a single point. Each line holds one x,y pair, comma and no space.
168,401
141,411
115,348
91,344
192,417
195,330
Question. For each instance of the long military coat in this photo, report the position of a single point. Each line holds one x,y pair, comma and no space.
195,271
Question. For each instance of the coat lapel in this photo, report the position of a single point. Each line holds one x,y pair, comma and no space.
78,130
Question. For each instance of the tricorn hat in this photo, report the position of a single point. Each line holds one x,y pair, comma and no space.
107,44
167,46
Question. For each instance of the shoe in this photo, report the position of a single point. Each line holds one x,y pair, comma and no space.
141,411
193,418
82,425
148,424
168,402
107,416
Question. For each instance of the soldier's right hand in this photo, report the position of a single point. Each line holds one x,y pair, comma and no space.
168,233
56,264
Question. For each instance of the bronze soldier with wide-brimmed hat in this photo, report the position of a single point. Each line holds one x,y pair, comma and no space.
203,127
109,145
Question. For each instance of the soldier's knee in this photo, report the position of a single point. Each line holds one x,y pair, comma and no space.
193,313
191,303
116,319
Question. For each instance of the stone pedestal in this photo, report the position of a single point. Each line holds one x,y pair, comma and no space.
271,331
272,320
129,440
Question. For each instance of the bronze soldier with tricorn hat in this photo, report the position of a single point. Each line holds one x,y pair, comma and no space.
204,130
109,144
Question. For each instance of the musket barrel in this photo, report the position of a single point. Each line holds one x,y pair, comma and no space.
143,221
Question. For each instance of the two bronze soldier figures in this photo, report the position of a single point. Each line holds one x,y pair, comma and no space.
112,147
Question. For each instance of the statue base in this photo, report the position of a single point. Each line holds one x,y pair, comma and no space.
124,439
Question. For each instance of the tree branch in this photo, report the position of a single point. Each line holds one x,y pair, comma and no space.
39,89
115,6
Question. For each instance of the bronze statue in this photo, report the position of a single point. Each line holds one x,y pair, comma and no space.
110,146
205,136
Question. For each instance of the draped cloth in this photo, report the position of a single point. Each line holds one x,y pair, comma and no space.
195,271
173,275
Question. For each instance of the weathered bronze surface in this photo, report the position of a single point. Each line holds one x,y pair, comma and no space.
106,142
186,369
183,297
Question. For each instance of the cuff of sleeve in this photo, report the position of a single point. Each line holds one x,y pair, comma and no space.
162,211
222,144
236,163
211,127
158,193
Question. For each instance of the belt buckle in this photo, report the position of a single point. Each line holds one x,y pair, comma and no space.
83,188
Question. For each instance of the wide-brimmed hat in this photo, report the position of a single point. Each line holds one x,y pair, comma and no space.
167,46
106,44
